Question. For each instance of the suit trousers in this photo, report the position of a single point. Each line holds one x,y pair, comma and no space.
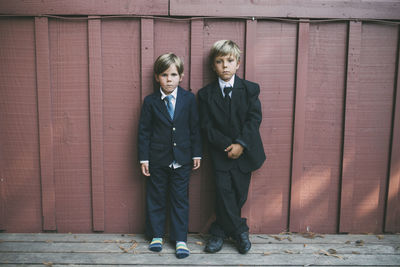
232,188
164,184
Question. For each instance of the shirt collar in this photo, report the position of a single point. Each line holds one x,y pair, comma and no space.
174,93
223,84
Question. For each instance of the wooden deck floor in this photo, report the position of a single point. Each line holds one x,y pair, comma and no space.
131,250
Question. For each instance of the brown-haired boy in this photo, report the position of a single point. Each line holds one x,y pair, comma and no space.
230,117
169,141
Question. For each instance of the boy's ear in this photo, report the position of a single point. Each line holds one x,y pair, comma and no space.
238,64
156,77
181,77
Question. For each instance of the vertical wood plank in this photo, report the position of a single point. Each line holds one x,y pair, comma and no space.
275,61
392,223
195,83
2,199
147,56
299,126
96,121
368,127
123,184
251,36
349,143
249,74
45,123
146,74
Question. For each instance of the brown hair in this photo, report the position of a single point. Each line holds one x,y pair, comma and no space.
164,61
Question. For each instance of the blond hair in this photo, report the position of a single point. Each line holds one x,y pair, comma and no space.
224,48
164,61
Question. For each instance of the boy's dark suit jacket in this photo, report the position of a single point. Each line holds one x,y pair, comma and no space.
163,140
240,126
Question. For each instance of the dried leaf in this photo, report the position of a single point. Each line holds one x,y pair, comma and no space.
199,243
304,245
267,253
312,235
123,249
380,237
108,241
332,251
134,245
348,242
290,252
326,253
356,252
280,238
49,241
48,263
360,243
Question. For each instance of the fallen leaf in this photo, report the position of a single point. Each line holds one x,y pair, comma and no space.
123,249
380,237
108,241
280,238
199,243
356,252
326,253
348,242
312,235
134,245
267,253
290,252
332,251
48,263
360,243
304,245
49,241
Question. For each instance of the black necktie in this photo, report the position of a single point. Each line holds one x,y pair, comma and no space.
227,98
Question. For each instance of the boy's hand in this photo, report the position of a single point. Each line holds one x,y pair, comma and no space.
234,151
145,169
196,164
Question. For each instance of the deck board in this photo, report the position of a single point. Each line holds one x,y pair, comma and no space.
131,250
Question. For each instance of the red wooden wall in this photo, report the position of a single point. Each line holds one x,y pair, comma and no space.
71,89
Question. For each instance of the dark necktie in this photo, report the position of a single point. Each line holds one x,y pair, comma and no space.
170,107
227,98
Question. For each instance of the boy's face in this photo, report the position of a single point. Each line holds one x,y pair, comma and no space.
169,79
225,66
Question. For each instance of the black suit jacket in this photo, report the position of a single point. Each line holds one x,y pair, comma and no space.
240,126
161,140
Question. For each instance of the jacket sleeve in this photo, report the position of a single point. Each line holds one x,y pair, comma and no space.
145,130
195,137
253,119
214,136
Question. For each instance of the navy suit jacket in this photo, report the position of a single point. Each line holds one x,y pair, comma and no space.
161,140
241,125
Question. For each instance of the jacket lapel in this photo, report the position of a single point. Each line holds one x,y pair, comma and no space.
238,94
218,98
160,105
179,102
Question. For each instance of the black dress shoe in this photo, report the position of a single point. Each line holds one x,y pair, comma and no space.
214,244
243,243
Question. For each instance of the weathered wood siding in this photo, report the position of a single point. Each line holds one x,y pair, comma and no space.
71,89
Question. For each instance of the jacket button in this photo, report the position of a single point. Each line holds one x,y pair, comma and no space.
174,144
173,129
